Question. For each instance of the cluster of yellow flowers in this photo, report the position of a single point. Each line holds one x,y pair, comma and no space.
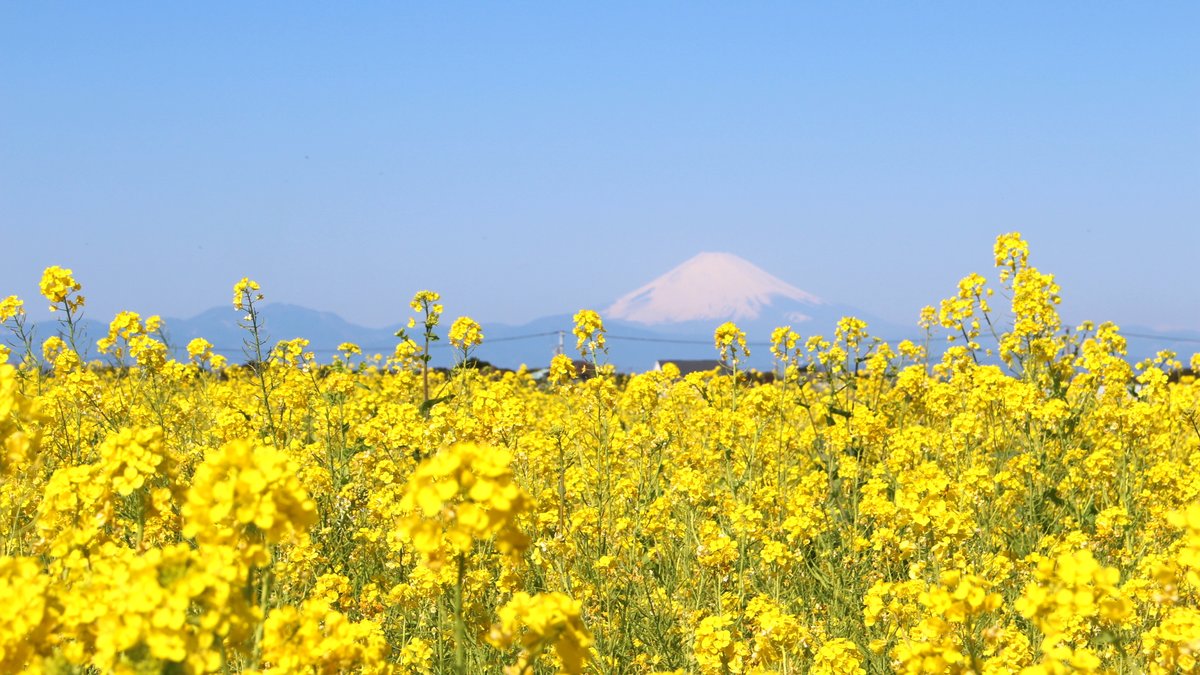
200,351
589,333
11,307
463,494
245,293
730,342
58,285
244,490
465,333
1027,501
538,622
716,649
1073,597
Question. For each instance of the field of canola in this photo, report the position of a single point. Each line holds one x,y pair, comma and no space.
1034,509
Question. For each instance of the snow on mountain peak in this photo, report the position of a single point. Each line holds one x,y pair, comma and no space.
708,287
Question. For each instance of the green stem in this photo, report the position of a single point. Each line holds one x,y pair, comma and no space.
460,626
425,367
263,595
260,367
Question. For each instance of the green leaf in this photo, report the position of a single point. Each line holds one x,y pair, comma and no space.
428,405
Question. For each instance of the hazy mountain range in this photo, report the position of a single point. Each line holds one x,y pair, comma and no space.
671,317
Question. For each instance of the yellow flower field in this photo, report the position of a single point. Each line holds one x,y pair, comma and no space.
1032,509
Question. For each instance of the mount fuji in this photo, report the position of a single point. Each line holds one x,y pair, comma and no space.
713,287
674,315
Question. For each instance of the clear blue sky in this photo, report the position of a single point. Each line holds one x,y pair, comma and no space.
527,159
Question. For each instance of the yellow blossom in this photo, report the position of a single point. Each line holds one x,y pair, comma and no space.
589,333
245,292
57,285
11,307
731,342
463,493
539,622
465,333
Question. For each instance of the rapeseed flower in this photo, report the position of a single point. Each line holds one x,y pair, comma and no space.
245,293
11,308
716,649
539,622
57,286
465,333
730,341
459,495
200,350
242,489
589,333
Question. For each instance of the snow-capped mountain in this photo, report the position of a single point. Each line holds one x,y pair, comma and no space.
687,303
712,287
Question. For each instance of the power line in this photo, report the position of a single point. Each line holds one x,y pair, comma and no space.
435,345
751,343
677,341
658,340
1164,338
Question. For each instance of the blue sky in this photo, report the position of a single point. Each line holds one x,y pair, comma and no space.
534,158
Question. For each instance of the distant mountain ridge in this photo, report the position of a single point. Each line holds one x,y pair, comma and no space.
632,347
671,317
